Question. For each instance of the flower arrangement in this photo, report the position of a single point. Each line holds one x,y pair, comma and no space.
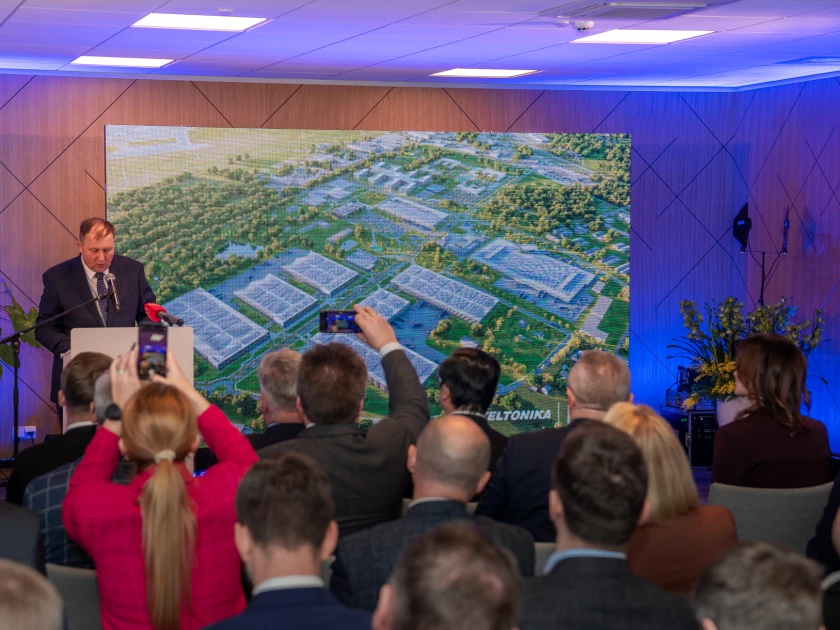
711,351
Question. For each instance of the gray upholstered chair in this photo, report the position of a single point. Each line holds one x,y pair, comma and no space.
541,553
786,517
80,593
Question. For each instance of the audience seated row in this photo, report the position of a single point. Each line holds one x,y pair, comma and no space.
618,502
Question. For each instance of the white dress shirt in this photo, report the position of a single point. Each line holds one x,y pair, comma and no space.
92,282
287,582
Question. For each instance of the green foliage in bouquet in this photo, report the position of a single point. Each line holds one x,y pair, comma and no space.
20,320
711,349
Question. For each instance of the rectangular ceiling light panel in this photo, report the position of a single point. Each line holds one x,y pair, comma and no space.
622,36
198,22
483,73
120,62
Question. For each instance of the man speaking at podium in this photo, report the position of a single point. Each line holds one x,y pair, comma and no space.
82,278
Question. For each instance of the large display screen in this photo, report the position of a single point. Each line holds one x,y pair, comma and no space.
517,244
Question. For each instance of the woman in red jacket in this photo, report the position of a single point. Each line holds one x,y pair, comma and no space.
163,545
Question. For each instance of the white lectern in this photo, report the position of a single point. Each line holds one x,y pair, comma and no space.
117,341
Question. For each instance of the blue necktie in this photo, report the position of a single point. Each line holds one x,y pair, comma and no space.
103,303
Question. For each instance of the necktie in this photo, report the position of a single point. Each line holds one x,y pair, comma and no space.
103,303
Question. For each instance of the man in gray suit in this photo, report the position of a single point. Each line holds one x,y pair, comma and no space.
366,467
448,466
597,498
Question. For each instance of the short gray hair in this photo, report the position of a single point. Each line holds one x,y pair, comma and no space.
27,599
599,380
758,585
102,396
454,451
278,378
454,577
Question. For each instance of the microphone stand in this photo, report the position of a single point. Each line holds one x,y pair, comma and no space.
14,340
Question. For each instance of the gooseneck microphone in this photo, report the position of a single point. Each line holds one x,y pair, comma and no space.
109,278
157,314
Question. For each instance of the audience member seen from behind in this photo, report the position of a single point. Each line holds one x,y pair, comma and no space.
448,466
76,396
759,586
825,544
27,599
518,490
285,530
163,545
597,499
658,551
45,494
278,398
468,380
452,578
366,467
771,444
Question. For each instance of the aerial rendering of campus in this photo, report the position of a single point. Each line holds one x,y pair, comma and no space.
517,244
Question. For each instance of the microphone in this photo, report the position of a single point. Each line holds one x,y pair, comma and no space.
109,278
157,313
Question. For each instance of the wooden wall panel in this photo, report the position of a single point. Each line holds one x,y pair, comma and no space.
326,107
696,159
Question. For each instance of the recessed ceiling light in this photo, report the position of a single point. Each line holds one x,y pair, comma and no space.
482,73
122,62
621,36
198,22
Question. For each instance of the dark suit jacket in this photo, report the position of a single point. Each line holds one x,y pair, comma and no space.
518,490
21,539
820,547
66,286
45,457
273,434
366,467
365,561
497,440
296,609
587,593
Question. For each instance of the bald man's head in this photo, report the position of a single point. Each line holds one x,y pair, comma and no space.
452,451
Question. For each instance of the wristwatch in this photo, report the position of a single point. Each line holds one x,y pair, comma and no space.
113,412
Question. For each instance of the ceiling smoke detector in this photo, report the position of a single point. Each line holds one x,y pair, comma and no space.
630,9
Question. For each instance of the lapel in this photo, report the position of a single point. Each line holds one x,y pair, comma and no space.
83,288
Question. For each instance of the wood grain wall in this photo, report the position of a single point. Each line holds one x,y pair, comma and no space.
696,159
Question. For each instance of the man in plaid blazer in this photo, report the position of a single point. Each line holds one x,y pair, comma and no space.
448,466
44,495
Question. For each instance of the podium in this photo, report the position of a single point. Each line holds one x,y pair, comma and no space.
116,341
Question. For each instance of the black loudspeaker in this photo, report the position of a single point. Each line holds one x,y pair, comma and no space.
741,227
703,426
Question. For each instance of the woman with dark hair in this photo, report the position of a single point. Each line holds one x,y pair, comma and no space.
163,545
771,444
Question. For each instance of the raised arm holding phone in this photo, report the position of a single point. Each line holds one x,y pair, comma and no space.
166,528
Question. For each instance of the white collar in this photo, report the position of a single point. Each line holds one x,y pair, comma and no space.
90,273
77,425
428,500
287,582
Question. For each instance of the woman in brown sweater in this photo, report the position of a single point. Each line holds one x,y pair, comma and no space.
680,538
770,444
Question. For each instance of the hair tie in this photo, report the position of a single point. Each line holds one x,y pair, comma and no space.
165,455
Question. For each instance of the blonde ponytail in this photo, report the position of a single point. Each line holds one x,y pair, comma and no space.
159,427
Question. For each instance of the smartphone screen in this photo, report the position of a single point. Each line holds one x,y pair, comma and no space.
151,357
339,322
